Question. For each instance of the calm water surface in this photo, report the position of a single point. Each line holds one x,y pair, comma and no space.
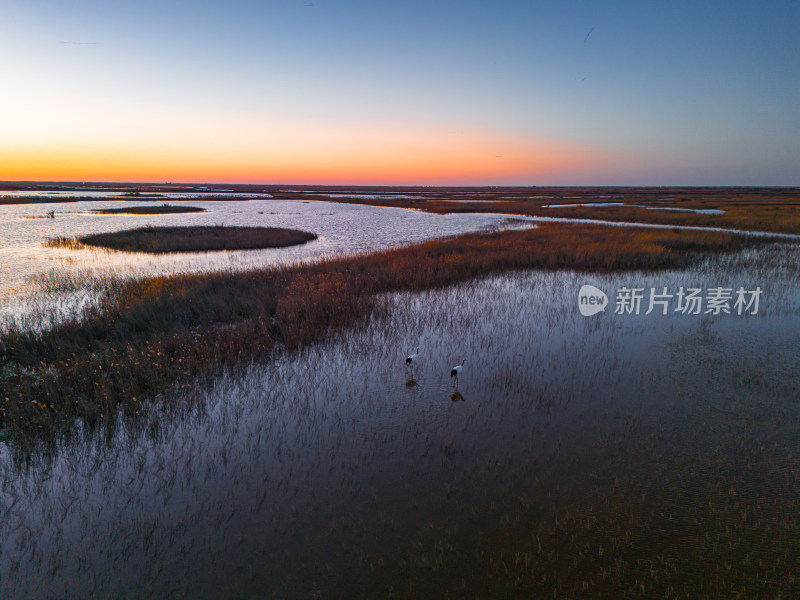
611,456
342,229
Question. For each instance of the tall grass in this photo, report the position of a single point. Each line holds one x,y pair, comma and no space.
147,336
614,457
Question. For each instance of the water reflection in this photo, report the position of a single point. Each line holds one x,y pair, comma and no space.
660,442
192,194
342,229
456,396
700,211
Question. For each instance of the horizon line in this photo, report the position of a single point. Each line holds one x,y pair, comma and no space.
394,185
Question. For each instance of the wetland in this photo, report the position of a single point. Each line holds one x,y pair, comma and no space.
194,426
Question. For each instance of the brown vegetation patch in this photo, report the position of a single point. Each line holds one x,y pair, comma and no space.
150,334
159,240
164,209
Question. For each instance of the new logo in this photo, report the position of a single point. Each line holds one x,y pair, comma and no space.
591,300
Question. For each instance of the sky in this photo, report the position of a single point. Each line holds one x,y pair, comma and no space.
451,92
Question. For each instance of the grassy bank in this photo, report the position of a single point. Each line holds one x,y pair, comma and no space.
164,209
159,240
150,335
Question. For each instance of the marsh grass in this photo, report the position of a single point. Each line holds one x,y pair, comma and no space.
753,209
604,458
160,240
164,209
146,336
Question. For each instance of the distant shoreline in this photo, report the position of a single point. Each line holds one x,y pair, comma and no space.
769,209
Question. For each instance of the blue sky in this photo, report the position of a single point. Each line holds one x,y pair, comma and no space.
650,93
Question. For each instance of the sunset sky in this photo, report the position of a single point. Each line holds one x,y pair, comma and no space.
371,92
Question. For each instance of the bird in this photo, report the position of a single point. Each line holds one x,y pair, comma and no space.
456,371
412,358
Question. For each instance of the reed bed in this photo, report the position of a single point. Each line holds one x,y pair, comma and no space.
590,458
164,209
161,240
145,337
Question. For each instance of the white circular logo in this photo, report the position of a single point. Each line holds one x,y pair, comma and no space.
591,300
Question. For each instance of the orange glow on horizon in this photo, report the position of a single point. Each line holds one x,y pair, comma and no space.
299,153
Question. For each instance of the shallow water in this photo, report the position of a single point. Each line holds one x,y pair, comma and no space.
372,196
342,229
576,454
744,232
151,194
700,211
